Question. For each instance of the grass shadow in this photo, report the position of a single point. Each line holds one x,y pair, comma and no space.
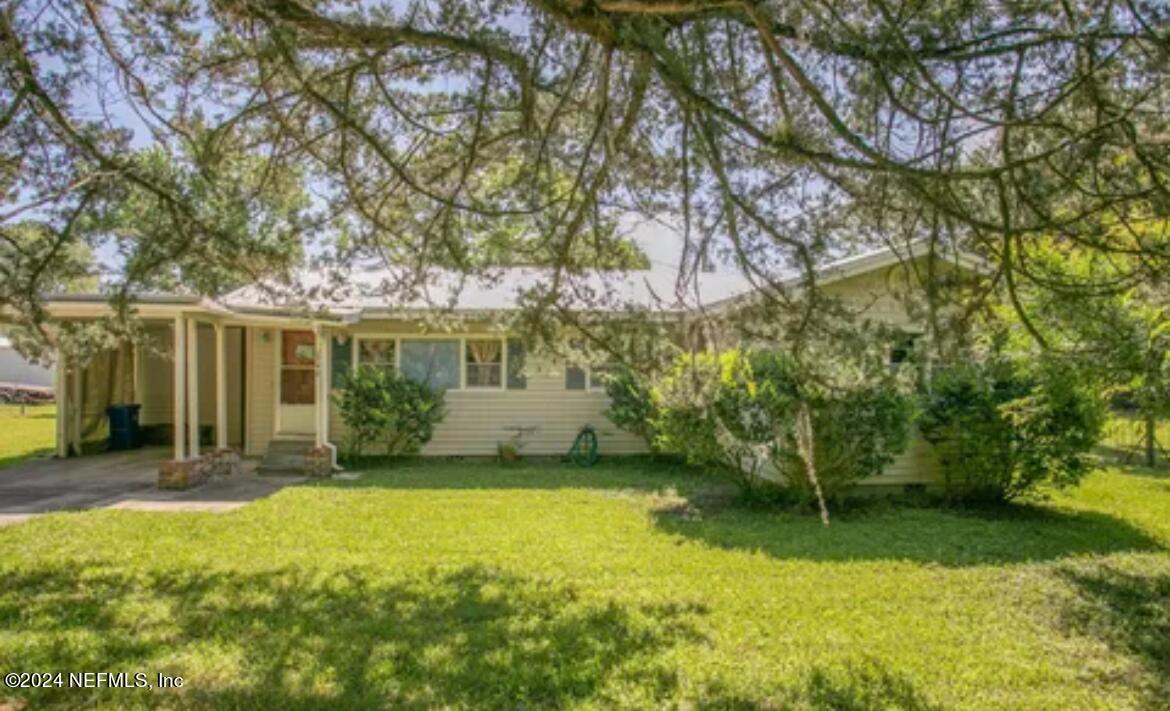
465,638
859,686
1011,534
706,509
1130,612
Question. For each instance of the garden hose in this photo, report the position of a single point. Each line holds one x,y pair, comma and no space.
584,453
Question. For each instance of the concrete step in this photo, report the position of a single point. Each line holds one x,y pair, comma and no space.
285,457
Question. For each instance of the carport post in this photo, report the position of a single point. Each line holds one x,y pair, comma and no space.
321,399
192,388
77,398
60,389
221,434
179,353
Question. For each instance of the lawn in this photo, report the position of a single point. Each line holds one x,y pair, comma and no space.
28,434
628,585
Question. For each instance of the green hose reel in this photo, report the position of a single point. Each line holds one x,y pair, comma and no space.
584,452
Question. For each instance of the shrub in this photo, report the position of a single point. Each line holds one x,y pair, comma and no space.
685,422
631,406
382,407
1001,429
738,412
856,434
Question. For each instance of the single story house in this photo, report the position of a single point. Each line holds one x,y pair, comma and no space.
254,371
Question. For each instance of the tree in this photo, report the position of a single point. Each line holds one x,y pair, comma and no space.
1119,332
777,132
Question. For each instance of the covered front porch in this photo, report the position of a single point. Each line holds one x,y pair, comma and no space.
210,388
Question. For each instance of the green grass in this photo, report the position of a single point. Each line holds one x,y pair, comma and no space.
25,436
628,585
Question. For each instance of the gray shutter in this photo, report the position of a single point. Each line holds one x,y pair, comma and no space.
574,378
340,360
517,380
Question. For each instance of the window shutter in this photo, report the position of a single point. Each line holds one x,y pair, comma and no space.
574,378
517,380
340,360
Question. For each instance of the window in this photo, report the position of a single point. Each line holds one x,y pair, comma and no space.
376,353
298,357
431,361
903,349
485,363
574,378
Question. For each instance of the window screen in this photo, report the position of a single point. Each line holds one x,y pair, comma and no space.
378,353
434,362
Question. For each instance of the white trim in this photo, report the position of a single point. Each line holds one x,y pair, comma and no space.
503,340
247,350
221,435
78,401
278,335
322,343
355,352
136,353
179,399
277,423
60,379
192,388
461,340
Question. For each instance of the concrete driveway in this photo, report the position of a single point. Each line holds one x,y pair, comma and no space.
120,480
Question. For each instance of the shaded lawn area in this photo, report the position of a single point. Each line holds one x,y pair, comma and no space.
630,585
26,436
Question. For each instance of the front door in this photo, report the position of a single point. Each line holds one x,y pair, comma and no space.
298,354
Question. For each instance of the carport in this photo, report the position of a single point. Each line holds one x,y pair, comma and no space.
119,480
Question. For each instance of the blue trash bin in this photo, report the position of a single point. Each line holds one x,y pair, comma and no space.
124,432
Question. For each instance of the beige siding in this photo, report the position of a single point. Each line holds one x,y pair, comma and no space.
872,296
917,465
261,385
477,420
879,295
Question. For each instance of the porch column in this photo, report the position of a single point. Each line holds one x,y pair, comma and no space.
321,402
179,353
136,356
77,398
60,391
192,388
221,434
